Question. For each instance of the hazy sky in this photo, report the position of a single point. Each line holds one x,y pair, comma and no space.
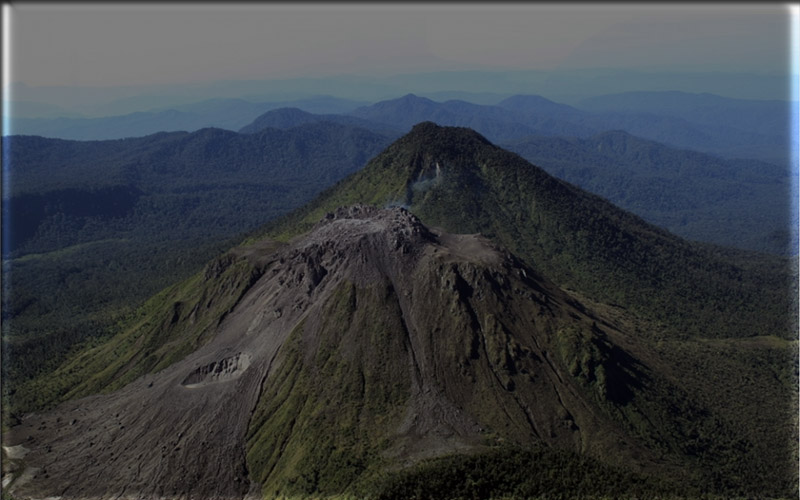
135,44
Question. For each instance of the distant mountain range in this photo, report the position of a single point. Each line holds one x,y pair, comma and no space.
732,135
731,128
449,321
284,118
768,117
483,87
756,125
229,114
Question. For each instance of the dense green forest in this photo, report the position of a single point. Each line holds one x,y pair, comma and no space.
211,181
541,473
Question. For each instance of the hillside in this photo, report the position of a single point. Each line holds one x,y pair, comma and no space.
736,203
768,117
698,196
92,229
456,179
325,366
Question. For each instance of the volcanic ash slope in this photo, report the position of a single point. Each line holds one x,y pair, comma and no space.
367,344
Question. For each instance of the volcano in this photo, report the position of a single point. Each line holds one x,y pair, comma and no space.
506,327
371,336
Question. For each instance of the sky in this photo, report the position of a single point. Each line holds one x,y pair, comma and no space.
110,45
128,44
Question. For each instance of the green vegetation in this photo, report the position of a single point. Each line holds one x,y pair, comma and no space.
738,203
93,229
579,240
665,414
539,473
712,389
166,328
750,385
323,419
678,293
58,299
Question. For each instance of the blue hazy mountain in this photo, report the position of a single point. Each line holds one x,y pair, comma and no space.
229,114
732,202
758,116
730,127
483,87
283,118
405,112
733,128
317,104
747,129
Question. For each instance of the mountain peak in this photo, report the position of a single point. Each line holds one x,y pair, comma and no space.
278,118
536,104
392,216
409,105
432,133
346,226
369,298
412,97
